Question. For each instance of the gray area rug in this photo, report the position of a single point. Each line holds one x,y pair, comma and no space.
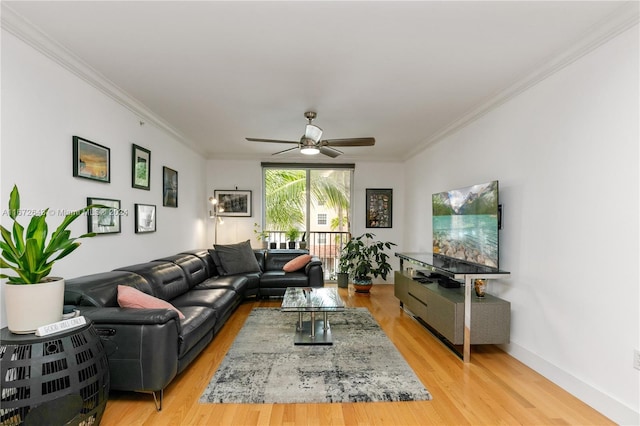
264,366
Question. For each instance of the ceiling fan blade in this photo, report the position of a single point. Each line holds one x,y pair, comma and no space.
286,150
349,142
330,152
270,140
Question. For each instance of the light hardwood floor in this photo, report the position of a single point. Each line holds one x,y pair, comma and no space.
493,389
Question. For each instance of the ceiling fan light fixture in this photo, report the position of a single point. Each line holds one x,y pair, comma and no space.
309,150
308,147
313,132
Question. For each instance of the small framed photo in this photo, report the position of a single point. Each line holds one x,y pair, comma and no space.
169,187
104,220
140,168
145,218
91,160
379,208
233,202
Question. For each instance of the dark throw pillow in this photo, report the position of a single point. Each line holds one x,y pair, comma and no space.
216,260
237,258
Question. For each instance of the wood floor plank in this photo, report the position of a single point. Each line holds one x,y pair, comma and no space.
494,389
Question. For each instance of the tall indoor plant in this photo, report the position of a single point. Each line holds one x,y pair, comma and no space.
32,298
364,257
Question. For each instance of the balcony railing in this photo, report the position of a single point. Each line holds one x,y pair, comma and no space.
325,245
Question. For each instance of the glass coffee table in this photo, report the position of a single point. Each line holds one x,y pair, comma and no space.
312,300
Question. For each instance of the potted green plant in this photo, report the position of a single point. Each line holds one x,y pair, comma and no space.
364,258
292,235
32,298
303,241
344,266
261,236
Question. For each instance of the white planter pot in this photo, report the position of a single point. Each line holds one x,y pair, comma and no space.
29,306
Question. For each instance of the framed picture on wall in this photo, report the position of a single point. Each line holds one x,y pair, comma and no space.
379,208
141,168
233,202
91,160
104,220
145,218
169,187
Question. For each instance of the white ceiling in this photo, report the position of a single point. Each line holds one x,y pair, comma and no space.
405,73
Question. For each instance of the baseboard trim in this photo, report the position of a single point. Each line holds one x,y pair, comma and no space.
598,400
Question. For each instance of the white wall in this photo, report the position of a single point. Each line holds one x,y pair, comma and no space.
566,155
247,175
43,106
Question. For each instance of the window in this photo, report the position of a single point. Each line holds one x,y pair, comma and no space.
322,218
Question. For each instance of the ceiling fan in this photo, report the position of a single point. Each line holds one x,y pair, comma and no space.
311,144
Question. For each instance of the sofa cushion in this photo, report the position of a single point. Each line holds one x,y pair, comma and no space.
199,324
101,289
297,263
237,258
282,279
166,279
237,283
217,262
129,297
193,267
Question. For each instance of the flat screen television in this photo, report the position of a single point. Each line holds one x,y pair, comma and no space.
465,224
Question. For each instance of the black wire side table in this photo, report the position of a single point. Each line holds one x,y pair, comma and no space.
59,379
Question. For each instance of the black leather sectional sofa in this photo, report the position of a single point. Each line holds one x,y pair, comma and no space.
147,348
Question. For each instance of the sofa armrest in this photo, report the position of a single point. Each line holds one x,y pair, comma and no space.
314,273
129,315
141,345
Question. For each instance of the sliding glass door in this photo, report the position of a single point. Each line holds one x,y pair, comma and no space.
315,201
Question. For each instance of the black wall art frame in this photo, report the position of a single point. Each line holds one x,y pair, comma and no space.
169,187
145,218
379,208
233,202
104,220
91,160
140,168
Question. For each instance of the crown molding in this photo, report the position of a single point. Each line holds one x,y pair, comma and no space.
620,21
24,30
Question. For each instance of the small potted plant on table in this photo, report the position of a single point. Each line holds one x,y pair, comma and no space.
364,259
32,298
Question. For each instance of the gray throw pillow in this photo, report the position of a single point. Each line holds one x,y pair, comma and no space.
216,260
237,258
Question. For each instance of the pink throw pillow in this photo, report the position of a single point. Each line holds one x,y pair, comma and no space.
297,263
129,297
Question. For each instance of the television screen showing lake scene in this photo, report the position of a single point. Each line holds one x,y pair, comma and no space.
465,224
